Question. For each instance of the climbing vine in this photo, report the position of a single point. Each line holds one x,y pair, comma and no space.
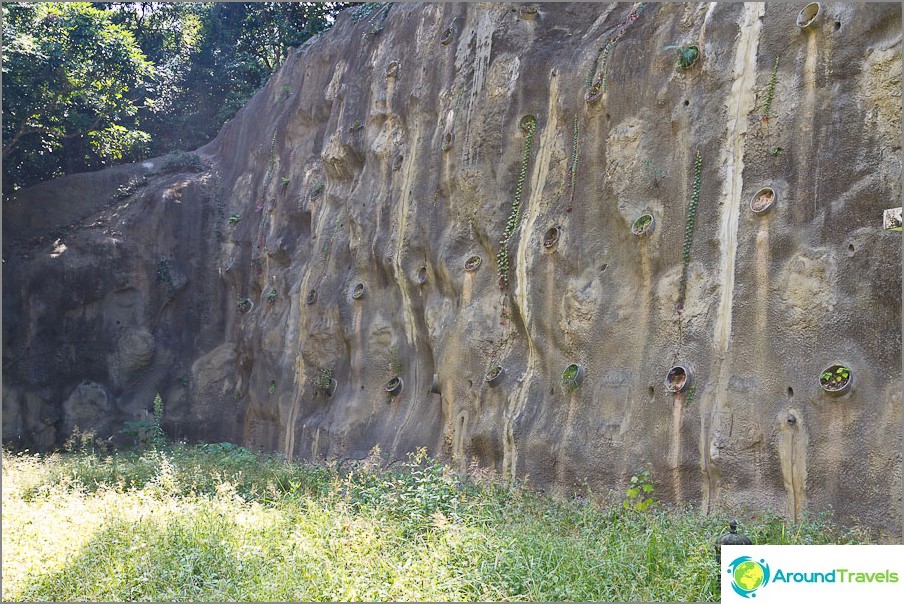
596,84
689,229
271,168
574,164
529,125
768,105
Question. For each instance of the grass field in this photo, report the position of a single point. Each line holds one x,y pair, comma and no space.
218,523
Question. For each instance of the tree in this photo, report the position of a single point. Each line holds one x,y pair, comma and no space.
73,82
87,85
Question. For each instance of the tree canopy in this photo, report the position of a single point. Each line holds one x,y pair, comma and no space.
88,85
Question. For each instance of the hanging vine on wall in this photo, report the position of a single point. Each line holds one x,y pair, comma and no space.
574,164
771,93
596,84
689,230
529,125
271,169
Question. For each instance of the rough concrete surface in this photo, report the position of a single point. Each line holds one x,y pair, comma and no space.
337,174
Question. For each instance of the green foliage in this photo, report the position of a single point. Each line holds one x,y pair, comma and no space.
272,295
596,85
131,187
234,219
687,55
272,388
158,436
689,228
574,162
181,161
529,125
324,378
217,522
771,93
72,86
395,364
775,151
88,85
639,496
690,395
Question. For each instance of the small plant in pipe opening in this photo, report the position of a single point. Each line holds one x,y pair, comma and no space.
244,304
494,373
572,376
643,224
836,379
394,386
687,55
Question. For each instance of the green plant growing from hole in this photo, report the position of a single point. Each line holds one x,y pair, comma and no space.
639,496
185,380
569,377
234,219
775,151
243,304
272,387
529,125
285,181
272,295
835,380
687,55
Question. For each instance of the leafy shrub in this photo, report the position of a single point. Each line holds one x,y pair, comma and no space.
181,161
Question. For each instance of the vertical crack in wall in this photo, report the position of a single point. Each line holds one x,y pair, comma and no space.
741,101
521,295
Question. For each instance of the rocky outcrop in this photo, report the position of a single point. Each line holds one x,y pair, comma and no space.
394,149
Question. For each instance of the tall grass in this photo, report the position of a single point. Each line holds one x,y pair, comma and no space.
219,523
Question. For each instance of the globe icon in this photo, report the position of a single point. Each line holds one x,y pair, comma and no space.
748,575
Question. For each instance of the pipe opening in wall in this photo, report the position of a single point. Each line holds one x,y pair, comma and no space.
851,248
790,391
686,102
837,25
643,224
447,36
762,200
392,69
678,379
652,390
421,275
551,237
358,292
808,15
